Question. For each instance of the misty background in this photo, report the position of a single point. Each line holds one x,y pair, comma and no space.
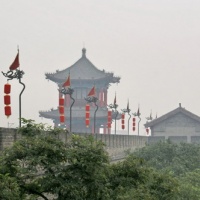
153,46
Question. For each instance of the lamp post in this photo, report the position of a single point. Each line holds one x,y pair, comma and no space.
114,106
93,99
127,110
138,115
69,91
14,73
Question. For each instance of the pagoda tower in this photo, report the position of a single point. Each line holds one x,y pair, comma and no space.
83,76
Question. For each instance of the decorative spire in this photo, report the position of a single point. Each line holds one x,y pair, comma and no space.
84,52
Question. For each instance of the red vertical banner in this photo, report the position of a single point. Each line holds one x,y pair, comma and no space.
87,115
122,120
7,101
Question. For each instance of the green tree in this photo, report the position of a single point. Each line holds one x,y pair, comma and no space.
43,165
9,189
175,158
190,185
134,179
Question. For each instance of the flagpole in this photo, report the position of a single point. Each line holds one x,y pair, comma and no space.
138,115
128,121
95,118
20,117
70,92
127,110
139,125
92,99
70,126
116,119
114,105
13,73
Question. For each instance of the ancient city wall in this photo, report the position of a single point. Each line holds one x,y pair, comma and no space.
115,144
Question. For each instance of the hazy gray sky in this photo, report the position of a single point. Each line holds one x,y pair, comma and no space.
153,46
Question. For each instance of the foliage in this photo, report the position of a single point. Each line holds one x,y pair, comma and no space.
42,165
9,189
175,158
134,179
180,160
190,185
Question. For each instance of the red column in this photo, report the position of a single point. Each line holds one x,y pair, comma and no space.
105,96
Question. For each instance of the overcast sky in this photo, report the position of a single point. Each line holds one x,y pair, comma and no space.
153,45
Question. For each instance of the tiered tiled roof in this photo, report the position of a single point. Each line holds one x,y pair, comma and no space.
83,70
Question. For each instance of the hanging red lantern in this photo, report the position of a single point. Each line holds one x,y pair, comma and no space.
147,130
62,118
87,107
7,88
87,115
87,122
7,111
109,113
109,116
134,124
7,99
61,102
122,120
61,110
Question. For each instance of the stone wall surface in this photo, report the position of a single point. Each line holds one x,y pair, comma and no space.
175,139
116,145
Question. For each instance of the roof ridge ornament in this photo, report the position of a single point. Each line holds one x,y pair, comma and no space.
83,52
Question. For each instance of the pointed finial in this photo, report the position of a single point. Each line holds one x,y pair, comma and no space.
84,52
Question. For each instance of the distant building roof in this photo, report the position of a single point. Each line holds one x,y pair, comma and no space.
171,114
77,113
82,69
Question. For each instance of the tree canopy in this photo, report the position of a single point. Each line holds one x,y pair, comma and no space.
182,160
41,165
179,158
